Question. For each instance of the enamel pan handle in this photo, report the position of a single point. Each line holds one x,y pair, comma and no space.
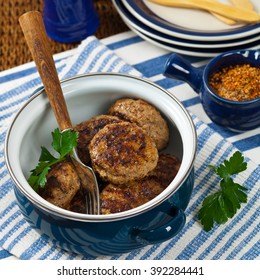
164,232
177,67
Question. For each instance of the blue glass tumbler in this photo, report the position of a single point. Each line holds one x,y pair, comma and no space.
70,21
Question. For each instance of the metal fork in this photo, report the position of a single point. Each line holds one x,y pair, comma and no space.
89,184
37,40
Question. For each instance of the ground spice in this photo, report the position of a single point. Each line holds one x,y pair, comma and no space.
238,82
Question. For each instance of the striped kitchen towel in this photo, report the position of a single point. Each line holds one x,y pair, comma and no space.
237,239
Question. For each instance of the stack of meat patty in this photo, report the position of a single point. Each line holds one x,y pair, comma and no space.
124,147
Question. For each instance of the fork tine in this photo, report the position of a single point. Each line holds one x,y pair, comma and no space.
89,185
89,203
92,202
97,201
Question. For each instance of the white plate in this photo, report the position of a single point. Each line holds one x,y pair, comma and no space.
189,23
130,20
188,51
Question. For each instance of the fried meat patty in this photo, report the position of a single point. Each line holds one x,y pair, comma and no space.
87,129
62,184
166,169
122,152
78,203
144,115
116,198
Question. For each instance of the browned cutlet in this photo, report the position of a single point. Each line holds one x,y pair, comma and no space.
78,203
122,152
166,169
62,184
144,115
118,198
87,129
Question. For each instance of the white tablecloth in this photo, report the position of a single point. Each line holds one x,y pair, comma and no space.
238,239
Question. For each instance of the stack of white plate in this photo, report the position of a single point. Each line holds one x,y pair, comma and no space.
187,31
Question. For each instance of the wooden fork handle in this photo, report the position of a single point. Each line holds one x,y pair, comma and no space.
37,40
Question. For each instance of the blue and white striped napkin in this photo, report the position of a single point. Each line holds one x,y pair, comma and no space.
238,239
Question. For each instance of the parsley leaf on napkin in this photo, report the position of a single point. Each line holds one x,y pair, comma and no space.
222,205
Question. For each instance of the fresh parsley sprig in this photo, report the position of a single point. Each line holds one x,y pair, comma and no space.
63,143
222,205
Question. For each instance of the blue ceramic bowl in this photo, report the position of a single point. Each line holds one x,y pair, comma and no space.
234,115
86,96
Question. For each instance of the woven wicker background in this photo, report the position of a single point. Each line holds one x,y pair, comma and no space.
13,48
